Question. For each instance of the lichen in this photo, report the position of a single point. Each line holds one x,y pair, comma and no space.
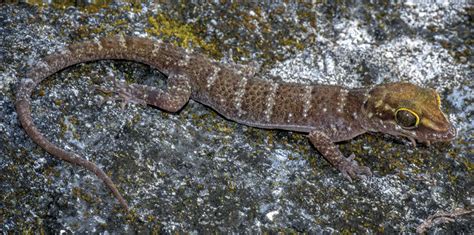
180,34
85,196
94,7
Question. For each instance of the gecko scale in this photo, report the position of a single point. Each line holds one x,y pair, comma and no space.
328,113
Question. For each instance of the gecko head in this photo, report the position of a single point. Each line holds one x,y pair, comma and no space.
405,109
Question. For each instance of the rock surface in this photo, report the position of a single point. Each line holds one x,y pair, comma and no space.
197,172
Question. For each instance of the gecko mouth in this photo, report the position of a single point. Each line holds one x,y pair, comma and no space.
446,136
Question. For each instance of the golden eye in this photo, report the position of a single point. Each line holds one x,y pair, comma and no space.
406,118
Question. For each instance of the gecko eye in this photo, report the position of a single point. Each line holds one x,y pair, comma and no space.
407,118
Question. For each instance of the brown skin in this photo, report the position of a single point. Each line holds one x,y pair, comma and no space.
328,113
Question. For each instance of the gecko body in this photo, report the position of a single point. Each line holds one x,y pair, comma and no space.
328,113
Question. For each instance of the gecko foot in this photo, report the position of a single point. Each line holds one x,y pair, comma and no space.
350,169
121,92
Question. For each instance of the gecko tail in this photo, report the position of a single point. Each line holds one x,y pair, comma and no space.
118,47
159,55
24,114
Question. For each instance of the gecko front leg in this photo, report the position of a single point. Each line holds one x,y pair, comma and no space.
347,166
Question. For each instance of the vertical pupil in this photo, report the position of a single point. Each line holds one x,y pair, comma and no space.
406,118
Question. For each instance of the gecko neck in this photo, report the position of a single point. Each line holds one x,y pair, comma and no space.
350,120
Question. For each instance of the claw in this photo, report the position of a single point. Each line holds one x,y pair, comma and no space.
351,157
413,141
122,92
346,175
102,89
350,169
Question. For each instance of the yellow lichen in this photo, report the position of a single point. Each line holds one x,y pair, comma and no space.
63,128
180,34
95,7
224,128
469,164
79,193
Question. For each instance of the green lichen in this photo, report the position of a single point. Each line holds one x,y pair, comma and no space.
58,102
131,216
63,128
468,164
133,6
224,128
180,34
85,31
79,193
64,4
52,174
136,119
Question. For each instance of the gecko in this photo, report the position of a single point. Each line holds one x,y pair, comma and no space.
326,113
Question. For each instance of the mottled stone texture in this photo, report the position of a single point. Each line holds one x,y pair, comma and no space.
194,171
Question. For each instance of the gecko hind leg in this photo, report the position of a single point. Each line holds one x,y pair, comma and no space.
349,168
121,92
170,99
